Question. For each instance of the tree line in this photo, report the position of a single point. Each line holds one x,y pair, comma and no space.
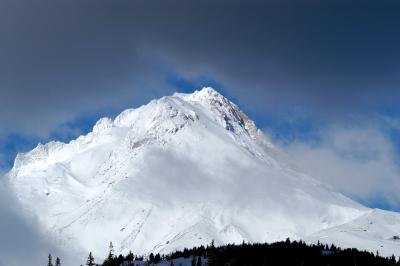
283,253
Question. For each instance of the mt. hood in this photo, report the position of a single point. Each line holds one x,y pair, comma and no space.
181,171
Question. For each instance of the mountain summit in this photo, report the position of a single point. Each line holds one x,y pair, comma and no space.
181,171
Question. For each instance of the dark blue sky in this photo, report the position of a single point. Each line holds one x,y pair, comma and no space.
311,74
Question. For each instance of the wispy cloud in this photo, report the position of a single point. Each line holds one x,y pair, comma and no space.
358,160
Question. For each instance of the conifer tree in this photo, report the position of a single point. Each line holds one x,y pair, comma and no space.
151,257
198,261
50,261
212,255
111,258
90,260
393,260
111,252
130,256
157,258
58,262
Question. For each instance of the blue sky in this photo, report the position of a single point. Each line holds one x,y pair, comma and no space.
320,78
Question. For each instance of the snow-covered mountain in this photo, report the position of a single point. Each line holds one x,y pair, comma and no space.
181,171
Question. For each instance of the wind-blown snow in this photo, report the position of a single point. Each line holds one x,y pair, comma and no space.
179,172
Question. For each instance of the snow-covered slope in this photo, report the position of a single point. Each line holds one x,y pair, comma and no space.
181,171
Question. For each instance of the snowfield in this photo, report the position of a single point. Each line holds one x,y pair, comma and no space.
179,172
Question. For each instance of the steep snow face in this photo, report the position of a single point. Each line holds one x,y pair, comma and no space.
178,172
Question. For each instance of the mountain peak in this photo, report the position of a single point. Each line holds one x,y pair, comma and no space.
177,172
205,94
160,118
102,124
171,171
208,92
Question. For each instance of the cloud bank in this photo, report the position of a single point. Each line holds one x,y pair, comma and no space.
62,59
359,161
22,240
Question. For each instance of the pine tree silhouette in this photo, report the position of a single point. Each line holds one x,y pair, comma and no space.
50,261
58,262
111,259
212,255
90,260
130,256
111,252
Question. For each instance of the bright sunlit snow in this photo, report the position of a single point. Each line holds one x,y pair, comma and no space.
179,172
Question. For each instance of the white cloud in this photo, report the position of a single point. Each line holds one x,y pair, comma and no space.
22,241
358,161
